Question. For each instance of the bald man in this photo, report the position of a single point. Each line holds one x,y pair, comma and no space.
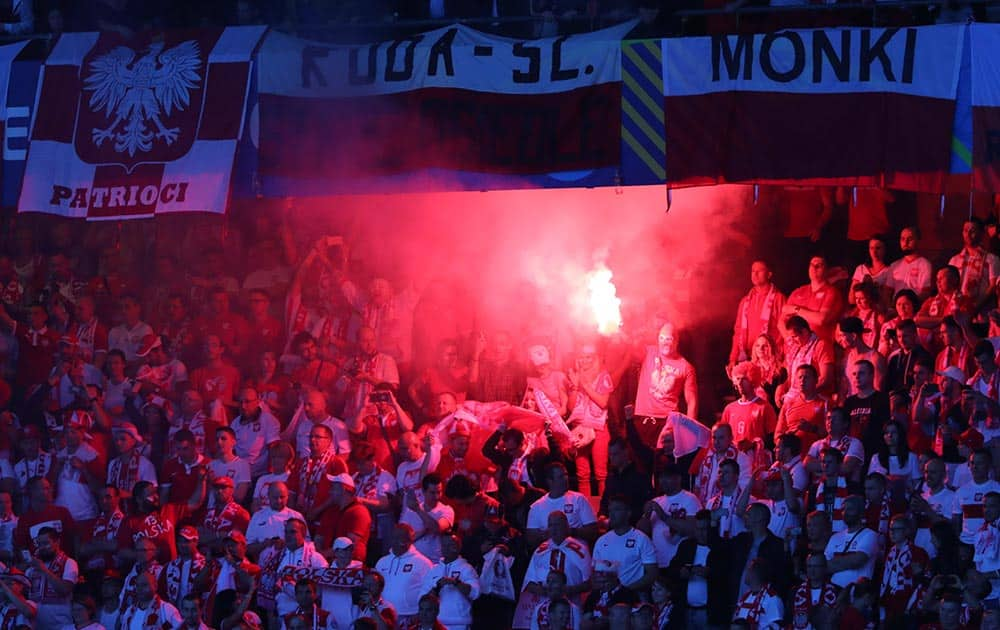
256,430
665,381
314,411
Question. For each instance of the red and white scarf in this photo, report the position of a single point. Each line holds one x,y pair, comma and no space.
43,590
124,476
802,354
153,613
367,485
710,462
311,473
839,493
105,528
765,317
972,270
751,605
728,521
128,589
881,527
173,573
272,570
802,602
897,576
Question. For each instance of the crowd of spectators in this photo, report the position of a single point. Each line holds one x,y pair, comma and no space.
300,442
364,20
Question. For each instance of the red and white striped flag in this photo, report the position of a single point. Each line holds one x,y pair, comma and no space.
129,129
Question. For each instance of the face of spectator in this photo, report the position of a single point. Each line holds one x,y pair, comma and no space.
366,341
816,568
249,401
130,312
722,438
144,588
175,309
945,281
558,482
446,405
876,249
408,447
315,406
806,381
861,376
449,356
905,308
668,441
760,275
124,442
907,338
667,340
213,348
831,465
891,436
259,305
874,490
295,535
934,473
191,402
81,615
618,515
402,538
659,593
308,351
223,494
971,234
305,595
277,496
108,500
459,445
559,616
186,548
908,241
980,465
862,301
319,441
225,442
728,477
702,531
190,612
268,363
145,551
449,548
558,527
761,349
846,340
853,512
432,495
817,270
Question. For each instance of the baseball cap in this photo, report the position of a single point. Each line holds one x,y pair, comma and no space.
224,481
342,478
953,373
129,428
188,533
342,542
148,343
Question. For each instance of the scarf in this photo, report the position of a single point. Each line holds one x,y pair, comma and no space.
42,590
173,574
832,498
105,528
991,383
125,476
879,522
367,485
710,462
802,603
765,317
897,576
729,519
986,542
128,589
972,270
751,606
272,571
311,473
151,613
85,336
38,467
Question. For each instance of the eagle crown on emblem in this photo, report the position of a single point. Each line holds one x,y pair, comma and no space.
138,92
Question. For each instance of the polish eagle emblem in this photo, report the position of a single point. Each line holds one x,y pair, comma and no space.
137,94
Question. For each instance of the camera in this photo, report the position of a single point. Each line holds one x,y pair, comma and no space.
380,397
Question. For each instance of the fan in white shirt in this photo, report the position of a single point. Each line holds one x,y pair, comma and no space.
626,548
268,523
561,551
967,512
429,518
404,569
576,507
851,553
933,503
669,518
455,582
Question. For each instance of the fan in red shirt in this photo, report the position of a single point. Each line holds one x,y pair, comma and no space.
182,476
217,380
309,480
231,329
151,521
37,344
42,513
226,516
345,517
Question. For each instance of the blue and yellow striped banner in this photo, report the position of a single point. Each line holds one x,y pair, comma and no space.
643,133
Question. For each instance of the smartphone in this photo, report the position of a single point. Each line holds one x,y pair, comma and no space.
380,397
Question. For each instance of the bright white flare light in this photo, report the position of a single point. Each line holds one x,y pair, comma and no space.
604,301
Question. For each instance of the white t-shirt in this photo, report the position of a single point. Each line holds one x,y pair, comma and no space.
341,444
942,504
266,524
916,275
427,543
628,553
665,541
404,576
865,541
577,508
782,519
586,411
128,340
969,500
854,448
911,471
72,491
253,438
263,484
456,608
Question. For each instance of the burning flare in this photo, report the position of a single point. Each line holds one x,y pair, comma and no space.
604,302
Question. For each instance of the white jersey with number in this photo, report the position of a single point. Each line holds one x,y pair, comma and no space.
665,541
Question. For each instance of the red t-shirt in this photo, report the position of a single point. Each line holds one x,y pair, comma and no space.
310,484
231,329
217,383
750,419
158,527
35,354
355,519
182,478
55,516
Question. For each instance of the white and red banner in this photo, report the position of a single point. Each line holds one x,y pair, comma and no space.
128,129
850,106
452,99
985,70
